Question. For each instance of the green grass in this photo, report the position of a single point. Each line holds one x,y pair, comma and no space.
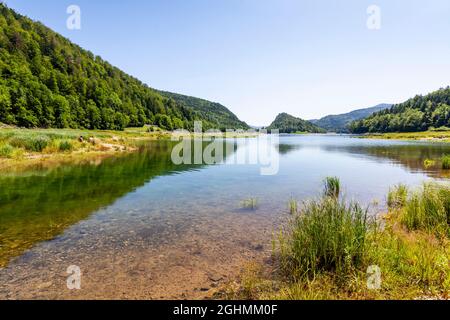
332,187
443,136
325,236
428,209
35,143
446,162
293,206
6,150
397,196
250,204
327,248
65,145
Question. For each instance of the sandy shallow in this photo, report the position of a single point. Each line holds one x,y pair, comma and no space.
155,258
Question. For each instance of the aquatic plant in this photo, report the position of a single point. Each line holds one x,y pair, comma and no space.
326,235
428,163
293,206
332,187
250,203
446,162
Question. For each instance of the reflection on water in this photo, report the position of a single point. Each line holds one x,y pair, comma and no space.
39,205
142,208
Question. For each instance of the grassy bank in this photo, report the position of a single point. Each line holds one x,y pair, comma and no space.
23,147
332,249
441,136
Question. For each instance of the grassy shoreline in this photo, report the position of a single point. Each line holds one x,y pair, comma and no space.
330,249
23,148
430,136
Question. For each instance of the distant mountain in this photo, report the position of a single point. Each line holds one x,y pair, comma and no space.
420,113
339,123
213,112
48,81
290,124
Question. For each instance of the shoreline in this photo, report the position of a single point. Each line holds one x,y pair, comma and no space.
83,145
425,136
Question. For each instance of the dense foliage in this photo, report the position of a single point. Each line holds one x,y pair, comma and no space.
290,124
420,113
213,112
47,81
339,123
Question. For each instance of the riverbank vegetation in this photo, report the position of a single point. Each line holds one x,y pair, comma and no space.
431,135
332,249
420,113
23,147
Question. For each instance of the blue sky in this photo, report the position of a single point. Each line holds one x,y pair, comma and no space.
259,58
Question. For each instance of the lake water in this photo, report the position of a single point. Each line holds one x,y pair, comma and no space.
139,226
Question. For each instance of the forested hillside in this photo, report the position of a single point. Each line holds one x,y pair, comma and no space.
213,112
286,123
47,81
339,123
420,113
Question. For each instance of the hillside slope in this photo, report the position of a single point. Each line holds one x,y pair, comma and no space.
211,111
47,81
290,124
417,114
339,123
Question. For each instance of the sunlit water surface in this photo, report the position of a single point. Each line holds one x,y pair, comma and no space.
139,226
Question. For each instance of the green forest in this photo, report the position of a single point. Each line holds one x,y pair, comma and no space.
420,113
286,123
46,81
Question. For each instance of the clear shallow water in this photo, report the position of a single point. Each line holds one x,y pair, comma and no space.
139,221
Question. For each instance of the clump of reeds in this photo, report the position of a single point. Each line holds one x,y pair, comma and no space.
326,235
332,187
428,209
293,206
446,162
250,203
397,196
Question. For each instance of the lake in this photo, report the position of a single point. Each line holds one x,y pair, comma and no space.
139,226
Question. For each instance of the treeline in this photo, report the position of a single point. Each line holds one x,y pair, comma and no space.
287,123
47,81
212,112
420,113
